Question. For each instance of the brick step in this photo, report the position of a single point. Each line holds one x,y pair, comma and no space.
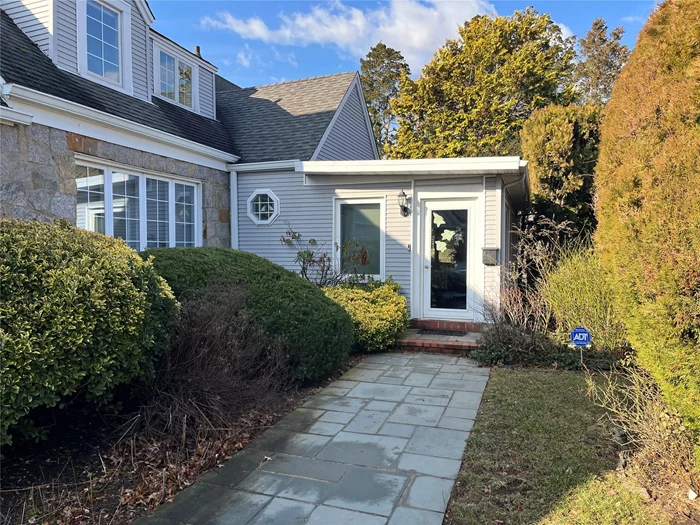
448,326
441,344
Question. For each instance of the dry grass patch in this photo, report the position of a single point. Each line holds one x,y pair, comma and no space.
542,452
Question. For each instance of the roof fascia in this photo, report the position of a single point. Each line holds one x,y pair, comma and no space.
60,105
145,11
274,165
12,116
469,166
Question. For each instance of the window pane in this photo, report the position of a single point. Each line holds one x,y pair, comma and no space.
157,210
110,18
95,65
184,215
94,46
125,207
185,84
91,202
110,54
94,10
94,28
102,41
167,76
110,36
111,72
360,231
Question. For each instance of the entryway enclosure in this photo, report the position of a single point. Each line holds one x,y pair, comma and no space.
439,227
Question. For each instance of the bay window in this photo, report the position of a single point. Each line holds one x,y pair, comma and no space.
147,211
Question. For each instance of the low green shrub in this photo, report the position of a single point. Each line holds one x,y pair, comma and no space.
315,331
508,344
79,311
378,311
578,294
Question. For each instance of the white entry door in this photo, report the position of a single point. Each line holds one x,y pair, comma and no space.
446,259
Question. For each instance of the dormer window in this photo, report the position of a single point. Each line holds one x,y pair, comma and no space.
175,80
104,42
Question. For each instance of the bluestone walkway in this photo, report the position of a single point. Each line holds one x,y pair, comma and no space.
382,445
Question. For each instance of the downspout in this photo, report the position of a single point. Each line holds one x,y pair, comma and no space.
233,206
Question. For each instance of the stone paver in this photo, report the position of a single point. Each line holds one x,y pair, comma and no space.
380,446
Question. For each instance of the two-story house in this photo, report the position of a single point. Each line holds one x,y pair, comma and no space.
115,127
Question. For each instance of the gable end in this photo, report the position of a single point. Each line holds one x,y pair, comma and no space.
349,135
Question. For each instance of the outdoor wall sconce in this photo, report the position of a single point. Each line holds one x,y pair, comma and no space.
403,203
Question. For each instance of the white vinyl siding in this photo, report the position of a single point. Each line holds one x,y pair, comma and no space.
139,54
309,211
66,35
207,103
66,44
32,17
349,137
492,237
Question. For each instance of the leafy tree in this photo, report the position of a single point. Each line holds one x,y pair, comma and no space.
648,208
602,59
476,93
381,73
561,145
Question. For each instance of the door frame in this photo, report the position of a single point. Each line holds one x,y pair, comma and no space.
426,249
472,198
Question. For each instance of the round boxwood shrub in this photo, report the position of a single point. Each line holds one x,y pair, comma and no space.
79,310
316,332
379,313
648,179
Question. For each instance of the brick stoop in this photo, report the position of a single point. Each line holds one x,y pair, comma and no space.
448,326
439,344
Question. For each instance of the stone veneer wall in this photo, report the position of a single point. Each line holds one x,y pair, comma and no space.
37,176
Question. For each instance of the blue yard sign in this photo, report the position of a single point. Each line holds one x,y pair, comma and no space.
580,336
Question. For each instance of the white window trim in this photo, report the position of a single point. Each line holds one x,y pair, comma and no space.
337,243
157,48
126,84
275,213
143,233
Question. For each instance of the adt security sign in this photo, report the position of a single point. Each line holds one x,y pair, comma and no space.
580,336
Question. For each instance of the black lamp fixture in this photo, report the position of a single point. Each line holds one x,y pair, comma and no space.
403,203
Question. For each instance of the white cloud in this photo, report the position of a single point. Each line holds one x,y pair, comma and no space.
566,31
289,58
633,19
245,56
416,28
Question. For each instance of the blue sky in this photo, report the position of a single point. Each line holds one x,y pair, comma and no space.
262,42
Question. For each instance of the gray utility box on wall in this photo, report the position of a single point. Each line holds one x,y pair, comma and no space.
489,256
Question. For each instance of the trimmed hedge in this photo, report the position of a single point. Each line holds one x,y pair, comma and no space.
79,310
648,179
579,294
378,312
316,332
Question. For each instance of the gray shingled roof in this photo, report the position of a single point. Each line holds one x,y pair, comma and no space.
280,121
23,63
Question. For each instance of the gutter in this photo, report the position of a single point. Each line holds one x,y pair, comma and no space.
53,103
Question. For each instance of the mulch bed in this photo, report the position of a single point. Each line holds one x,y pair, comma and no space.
90,470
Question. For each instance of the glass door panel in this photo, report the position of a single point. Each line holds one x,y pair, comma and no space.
448,259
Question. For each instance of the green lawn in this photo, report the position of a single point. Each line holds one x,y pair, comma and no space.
542,453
